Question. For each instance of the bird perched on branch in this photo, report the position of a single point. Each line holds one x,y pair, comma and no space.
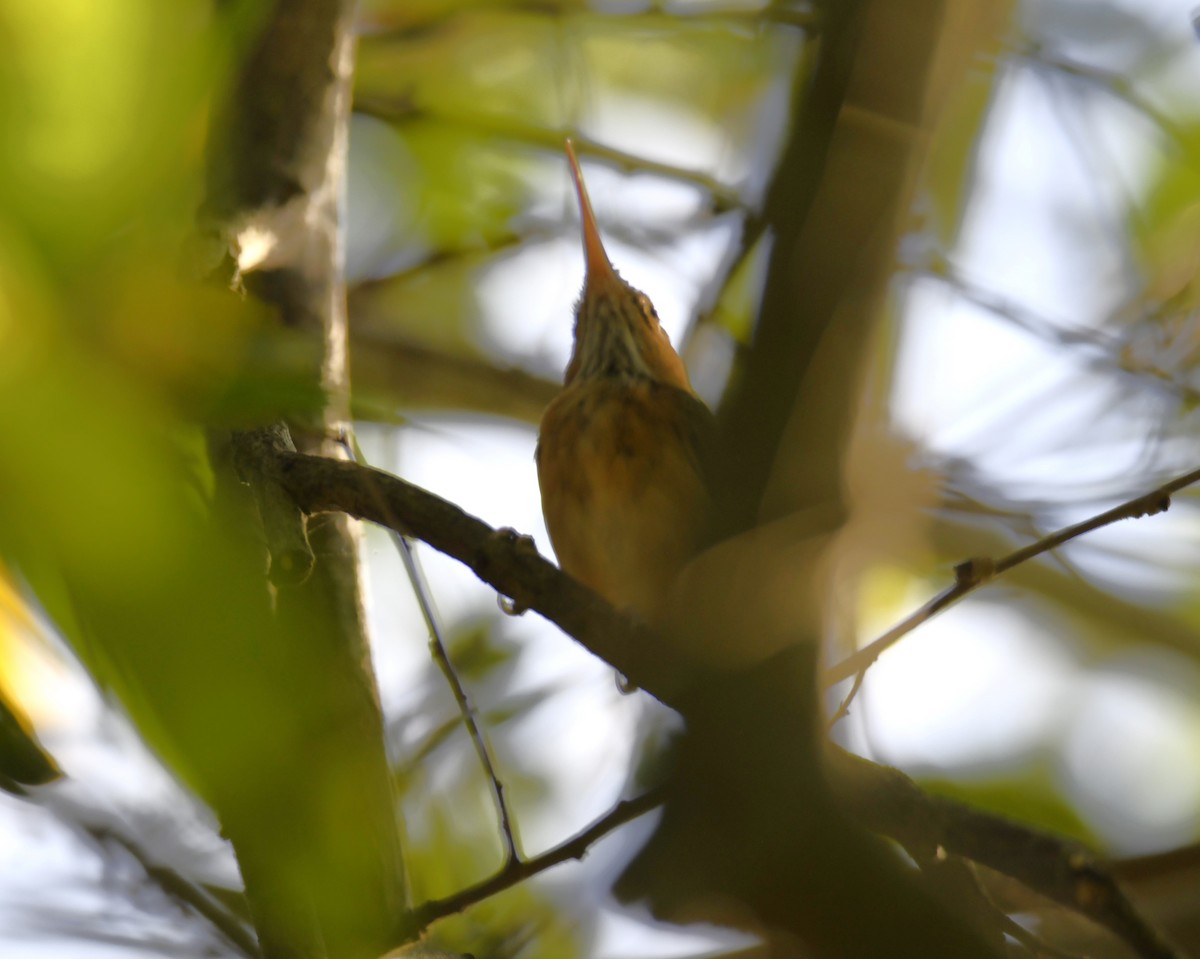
621,447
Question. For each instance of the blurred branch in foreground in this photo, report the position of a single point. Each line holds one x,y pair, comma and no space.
391,375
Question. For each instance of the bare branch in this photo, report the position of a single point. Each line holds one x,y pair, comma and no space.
392,374
505,561
441,656
889,802
1110,351
516,871
973,573
1111,82
187,893
402,108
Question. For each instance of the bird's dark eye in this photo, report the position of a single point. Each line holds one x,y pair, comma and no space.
647,307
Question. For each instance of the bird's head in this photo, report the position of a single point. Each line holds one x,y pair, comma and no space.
617,333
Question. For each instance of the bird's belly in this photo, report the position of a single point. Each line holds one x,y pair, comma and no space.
621,496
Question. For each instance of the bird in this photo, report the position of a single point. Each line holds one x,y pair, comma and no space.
621,448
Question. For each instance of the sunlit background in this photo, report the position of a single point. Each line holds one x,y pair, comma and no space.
1040,367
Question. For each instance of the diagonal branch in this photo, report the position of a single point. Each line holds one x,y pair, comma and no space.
184,891
889,802
974,573
505,561
516,871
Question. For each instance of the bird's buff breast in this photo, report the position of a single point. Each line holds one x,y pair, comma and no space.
620,489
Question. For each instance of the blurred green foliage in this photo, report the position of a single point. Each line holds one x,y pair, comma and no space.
98,142
479,101
111,354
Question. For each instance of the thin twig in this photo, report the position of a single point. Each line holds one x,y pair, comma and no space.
973,573
1110,348
843,709
437,647
185,892
1035,944
957,878
397,109
858,663
516,871
1114,84
435,738
441,656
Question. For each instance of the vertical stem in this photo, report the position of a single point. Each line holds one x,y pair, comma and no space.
314,825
